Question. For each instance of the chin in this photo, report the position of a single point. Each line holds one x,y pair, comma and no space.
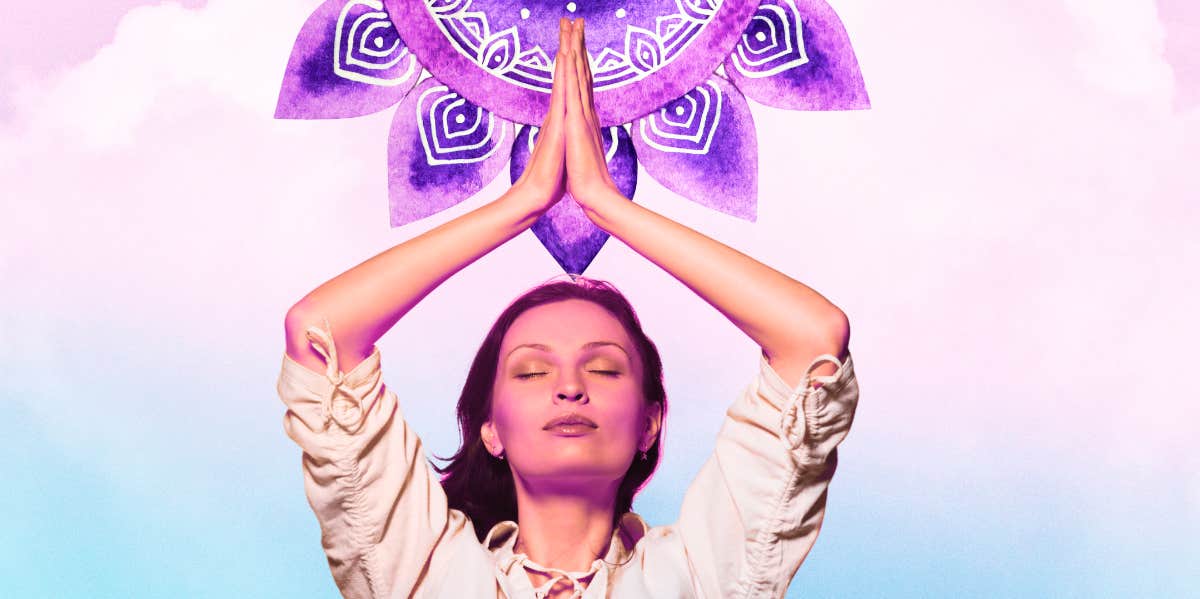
581,470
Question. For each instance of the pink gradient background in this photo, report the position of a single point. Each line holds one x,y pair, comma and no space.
1012,230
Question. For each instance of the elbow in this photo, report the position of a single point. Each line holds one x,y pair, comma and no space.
295,326
838,329
830,332
827,333
297,320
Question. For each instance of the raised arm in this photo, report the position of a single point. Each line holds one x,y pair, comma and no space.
386,523
364,302
792,323
755,509
387,528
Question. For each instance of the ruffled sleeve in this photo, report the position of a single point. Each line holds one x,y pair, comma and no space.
754,511
382,512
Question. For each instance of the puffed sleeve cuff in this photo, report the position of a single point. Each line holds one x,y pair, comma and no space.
812,420
330,408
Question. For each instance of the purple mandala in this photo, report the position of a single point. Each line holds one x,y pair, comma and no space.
490,65
642,53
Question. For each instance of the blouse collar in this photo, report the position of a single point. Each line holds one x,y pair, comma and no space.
501,539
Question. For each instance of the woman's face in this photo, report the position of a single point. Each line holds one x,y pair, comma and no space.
573,359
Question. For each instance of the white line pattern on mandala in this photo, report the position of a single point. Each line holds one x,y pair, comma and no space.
694,140
790,31
466,31
435,155
344,47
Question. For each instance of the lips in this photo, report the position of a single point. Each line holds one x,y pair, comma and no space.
570,420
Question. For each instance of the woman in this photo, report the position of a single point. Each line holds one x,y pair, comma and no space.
562,410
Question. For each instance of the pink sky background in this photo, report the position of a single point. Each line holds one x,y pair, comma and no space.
1012,230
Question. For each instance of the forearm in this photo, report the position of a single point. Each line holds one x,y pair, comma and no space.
785,317
366,301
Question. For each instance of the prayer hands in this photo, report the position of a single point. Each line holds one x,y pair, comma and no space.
588,178
569,152
545,173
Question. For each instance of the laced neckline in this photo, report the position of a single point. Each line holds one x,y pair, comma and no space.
501,540
556,574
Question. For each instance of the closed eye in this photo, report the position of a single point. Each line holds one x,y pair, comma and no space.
608,373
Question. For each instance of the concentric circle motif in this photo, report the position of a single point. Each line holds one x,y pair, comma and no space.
455,131
499,53
772,43
367,48
686,125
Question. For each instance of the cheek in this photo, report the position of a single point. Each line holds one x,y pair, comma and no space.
627,420
508,415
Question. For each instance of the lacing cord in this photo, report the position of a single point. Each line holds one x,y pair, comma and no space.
347,413
557,575
795,402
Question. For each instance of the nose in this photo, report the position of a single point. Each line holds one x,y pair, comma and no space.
576,397
570,389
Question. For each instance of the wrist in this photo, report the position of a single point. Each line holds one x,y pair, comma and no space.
604,207
526,201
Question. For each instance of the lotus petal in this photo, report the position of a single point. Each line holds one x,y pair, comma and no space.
564,230
795,54
703,146
441,151
348,61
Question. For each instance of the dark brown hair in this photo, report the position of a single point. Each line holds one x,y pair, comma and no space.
480,485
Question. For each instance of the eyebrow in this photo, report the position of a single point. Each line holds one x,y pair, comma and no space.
588,345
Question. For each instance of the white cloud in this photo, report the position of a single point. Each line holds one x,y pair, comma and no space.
1122,46
232,50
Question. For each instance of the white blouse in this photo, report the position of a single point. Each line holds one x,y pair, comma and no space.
746,523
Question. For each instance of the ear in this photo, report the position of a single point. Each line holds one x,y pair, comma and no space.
653,426
490,439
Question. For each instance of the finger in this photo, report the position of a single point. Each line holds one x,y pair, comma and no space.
558,86
552,124
579,64
571,90
583,75
560,61
582,128
586,81
556,111
587,93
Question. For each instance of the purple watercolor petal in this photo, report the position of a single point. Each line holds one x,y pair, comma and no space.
496,52
703,147
570,237
441,151
795,54
564,230
348,61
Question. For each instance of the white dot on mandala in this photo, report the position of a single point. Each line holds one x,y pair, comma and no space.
679,110
760,36
378,42
524,13
621,13
571,7
459,119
